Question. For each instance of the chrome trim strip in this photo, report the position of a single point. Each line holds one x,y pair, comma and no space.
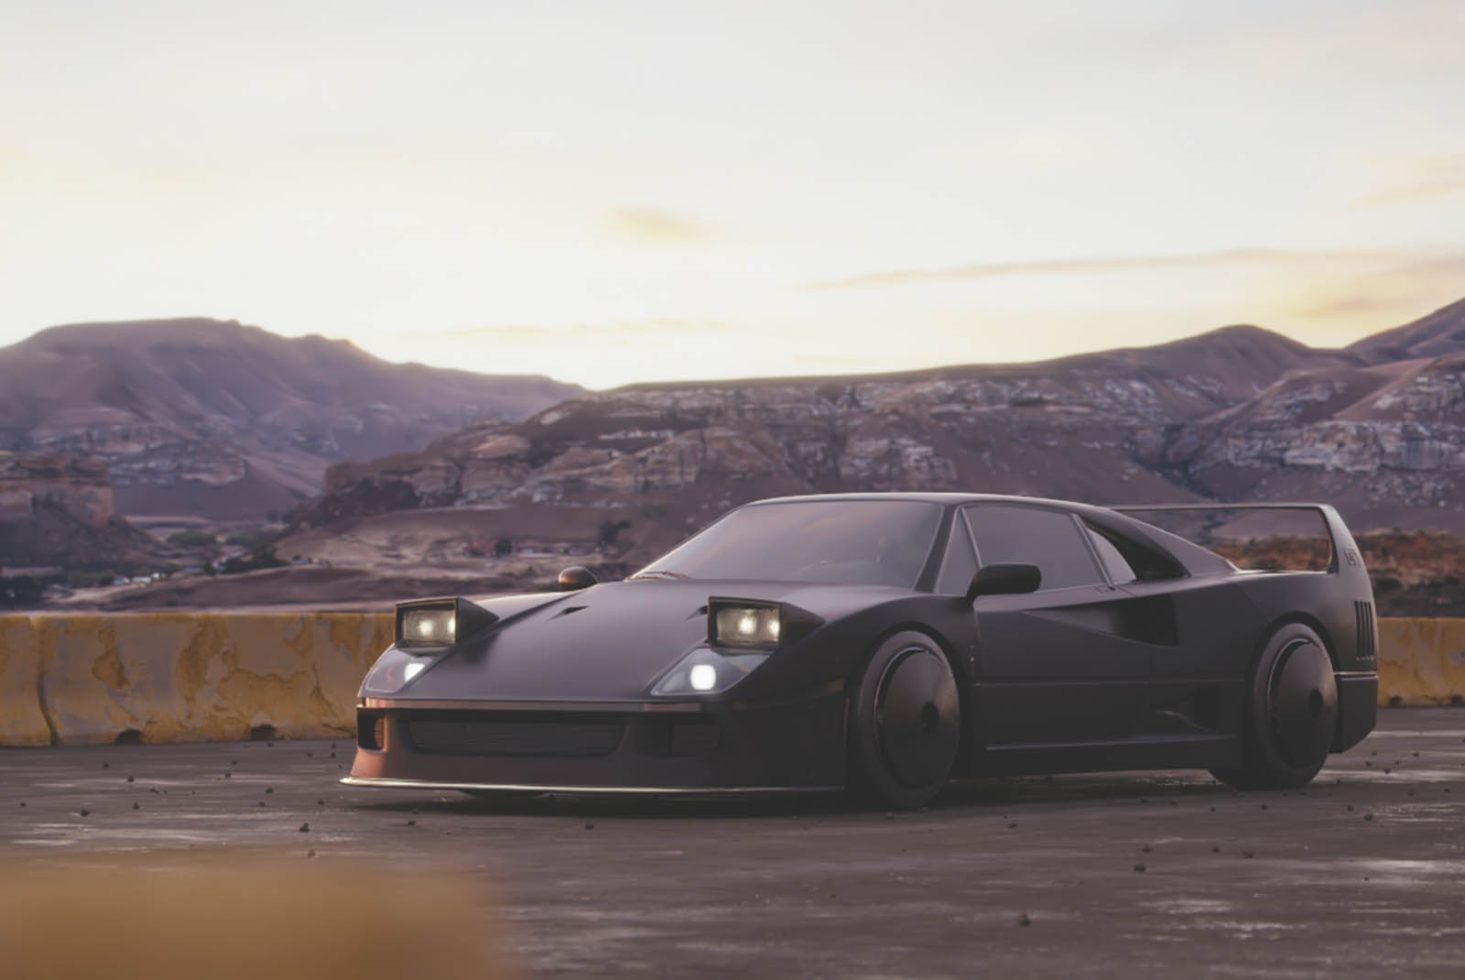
382,783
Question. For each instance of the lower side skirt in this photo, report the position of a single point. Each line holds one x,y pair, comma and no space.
1167,752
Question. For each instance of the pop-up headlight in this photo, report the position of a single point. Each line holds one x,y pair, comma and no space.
751,624
739,624
433,627
741,635
435,624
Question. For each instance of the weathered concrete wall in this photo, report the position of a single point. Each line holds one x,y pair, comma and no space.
171,677
1421,661
21,720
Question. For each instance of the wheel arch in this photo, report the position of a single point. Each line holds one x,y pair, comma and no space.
1300,618
959,670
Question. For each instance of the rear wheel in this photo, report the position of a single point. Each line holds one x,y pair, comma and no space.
1292,714
905,724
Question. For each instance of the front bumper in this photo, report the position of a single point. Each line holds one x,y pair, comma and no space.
640,747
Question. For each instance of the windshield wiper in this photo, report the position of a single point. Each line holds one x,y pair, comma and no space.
658,573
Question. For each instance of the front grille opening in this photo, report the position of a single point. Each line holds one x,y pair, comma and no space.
562,737
371,730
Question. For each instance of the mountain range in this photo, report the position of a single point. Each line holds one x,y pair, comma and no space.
402,479
1240,413
225,421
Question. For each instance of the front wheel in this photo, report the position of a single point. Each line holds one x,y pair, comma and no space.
905,724
1292,714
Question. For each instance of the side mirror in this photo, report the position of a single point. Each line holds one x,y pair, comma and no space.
1005,579
575,578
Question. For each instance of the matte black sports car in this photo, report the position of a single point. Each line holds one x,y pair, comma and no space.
883,643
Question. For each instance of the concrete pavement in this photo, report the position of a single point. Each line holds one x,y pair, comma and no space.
1118,874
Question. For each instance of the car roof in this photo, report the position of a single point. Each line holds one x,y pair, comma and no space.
1196,559
934,497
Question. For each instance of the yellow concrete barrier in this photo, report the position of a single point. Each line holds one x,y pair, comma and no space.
1421,661
21,720
180,677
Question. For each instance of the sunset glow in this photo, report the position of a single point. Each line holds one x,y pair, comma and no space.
651,191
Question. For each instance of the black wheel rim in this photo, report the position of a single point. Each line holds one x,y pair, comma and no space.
918,718
1304,704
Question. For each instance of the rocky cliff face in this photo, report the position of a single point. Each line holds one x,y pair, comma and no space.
1238,413
56,510
227,421
78,486
1386,443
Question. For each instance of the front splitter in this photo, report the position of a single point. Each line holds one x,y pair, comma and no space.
382,783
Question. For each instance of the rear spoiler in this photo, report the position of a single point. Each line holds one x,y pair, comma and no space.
1345,550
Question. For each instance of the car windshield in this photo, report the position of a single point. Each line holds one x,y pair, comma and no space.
847,542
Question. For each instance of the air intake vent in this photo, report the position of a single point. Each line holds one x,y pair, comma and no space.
371,730
512,737
1367,631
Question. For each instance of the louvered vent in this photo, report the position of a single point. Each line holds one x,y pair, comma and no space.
1367,631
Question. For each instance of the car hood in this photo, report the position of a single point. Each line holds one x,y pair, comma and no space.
607,643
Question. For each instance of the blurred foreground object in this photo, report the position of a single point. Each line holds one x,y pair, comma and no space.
216,920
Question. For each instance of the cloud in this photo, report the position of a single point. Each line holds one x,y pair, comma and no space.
656,226
1229,258
1396,291
1420,181
626,331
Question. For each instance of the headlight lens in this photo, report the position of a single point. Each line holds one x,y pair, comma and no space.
392,671
436,624
429,626
745,625
705,671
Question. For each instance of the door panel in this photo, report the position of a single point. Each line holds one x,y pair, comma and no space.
1058,667
1063,664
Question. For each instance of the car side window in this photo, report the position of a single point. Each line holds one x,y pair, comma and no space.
1119,570
1049,539
960,562
1140,562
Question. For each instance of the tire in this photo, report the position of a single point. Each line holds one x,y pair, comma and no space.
905,724
1291,716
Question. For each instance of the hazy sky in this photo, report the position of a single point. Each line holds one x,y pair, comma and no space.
609,192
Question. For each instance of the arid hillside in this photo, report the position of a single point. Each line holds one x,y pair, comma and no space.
610,479
1236,414
1415,573
215,419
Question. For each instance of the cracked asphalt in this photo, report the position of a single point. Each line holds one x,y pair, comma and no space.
1166,873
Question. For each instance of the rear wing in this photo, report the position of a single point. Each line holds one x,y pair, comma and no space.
1344,559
